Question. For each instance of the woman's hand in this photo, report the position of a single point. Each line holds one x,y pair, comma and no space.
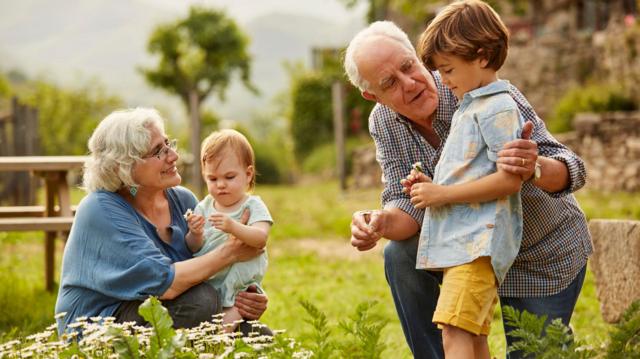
251,304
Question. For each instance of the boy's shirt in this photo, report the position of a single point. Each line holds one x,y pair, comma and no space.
456,234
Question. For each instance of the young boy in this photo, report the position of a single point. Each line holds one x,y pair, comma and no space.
473,228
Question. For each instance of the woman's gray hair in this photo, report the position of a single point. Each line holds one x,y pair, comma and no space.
378,28
116,145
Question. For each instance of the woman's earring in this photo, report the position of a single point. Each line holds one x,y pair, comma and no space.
133,190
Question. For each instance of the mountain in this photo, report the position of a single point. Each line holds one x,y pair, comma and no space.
68,41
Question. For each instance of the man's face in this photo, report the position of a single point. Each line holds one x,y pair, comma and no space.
397,78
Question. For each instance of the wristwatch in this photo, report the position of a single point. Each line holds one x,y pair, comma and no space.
537,171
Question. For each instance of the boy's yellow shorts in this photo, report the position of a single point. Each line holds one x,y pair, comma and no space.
468,297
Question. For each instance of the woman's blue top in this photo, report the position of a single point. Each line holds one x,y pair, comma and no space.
113,254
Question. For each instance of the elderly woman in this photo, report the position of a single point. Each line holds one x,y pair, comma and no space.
127,241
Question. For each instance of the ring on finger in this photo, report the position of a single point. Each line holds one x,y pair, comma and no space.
524,162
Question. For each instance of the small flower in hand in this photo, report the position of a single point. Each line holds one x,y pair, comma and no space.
196,223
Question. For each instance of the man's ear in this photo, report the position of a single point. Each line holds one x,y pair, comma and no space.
369,96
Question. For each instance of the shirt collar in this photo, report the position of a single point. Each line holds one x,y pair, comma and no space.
490,89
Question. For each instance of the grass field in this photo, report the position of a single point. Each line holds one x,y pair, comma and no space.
310,259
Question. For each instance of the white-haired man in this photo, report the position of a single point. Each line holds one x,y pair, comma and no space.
410,123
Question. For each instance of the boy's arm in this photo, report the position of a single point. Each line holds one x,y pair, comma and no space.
487,188
254,235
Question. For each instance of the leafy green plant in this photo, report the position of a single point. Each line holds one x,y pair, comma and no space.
625,336
557,340
322,344
363,331
532,337
594,98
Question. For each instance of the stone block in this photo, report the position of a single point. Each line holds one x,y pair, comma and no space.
615,264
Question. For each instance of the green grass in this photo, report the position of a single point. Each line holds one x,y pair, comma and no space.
310,259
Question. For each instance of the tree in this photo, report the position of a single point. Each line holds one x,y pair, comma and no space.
67,117
197,57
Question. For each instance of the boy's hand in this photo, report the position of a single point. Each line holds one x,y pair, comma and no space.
427,194
222,222
413,178
196,224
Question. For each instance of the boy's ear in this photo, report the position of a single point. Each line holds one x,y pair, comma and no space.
483,57
369,96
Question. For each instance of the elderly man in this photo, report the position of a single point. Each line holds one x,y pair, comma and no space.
410,123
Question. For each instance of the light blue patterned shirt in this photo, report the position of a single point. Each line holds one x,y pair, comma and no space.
556,241
456,234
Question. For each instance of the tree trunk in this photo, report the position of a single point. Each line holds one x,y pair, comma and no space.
194,114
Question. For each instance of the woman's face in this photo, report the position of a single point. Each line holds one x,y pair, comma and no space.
158,167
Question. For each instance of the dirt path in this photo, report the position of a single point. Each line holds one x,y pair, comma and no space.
326,248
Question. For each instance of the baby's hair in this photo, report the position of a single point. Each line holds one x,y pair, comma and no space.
225,142
469,29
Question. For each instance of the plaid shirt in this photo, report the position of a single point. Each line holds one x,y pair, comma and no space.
556,241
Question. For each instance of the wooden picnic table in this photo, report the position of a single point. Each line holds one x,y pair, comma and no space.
54,218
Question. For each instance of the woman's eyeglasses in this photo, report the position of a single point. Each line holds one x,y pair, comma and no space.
161,153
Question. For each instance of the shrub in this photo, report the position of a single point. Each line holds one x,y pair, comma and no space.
594,98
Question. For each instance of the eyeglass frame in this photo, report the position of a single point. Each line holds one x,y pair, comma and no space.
162,152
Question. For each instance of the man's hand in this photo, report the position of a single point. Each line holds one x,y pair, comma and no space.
251,304
519,156
367,228
427,194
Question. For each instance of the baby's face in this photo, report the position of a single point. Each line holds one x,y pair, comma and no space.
227,179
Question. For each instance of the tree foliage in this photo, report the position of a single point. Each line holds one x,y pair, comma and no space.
67,117
198,53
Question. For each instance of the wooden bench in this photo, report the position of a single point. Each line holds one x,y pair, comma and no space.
46,224
29,211
56,216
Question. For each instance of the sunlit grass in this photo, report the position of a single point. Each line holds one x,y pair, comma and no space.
309,259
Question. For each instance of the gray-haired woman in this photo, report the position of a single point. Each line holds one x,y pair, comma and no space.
127,240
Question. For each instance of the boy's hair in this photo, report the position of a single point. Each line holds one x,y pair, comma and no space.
224,142
469,29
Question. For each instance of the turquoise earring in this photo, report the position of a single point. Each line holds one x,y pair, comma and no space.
133,190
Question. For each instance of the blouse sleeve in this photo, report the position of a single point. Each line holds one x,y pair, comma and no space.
111,253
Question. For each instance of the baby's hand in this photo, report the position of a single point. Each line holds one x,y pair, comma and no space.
196,223
222,222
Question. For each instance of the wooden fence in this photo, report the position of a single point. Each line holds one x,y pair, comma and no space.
19,137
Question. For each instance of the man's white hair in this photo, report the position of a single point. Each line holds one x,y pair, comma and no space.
116,145
379,28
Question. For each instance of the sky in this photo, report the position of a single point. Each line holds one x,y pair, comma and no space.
70,41
245,10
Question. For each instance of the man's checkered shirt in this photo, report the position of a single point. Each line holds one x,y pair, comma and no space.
556,241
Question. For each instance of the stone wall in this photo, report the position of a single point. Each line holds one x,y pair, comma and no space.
615,265
609,144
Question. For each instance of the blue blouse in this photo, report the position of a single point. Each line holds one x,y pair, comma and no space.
114,254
